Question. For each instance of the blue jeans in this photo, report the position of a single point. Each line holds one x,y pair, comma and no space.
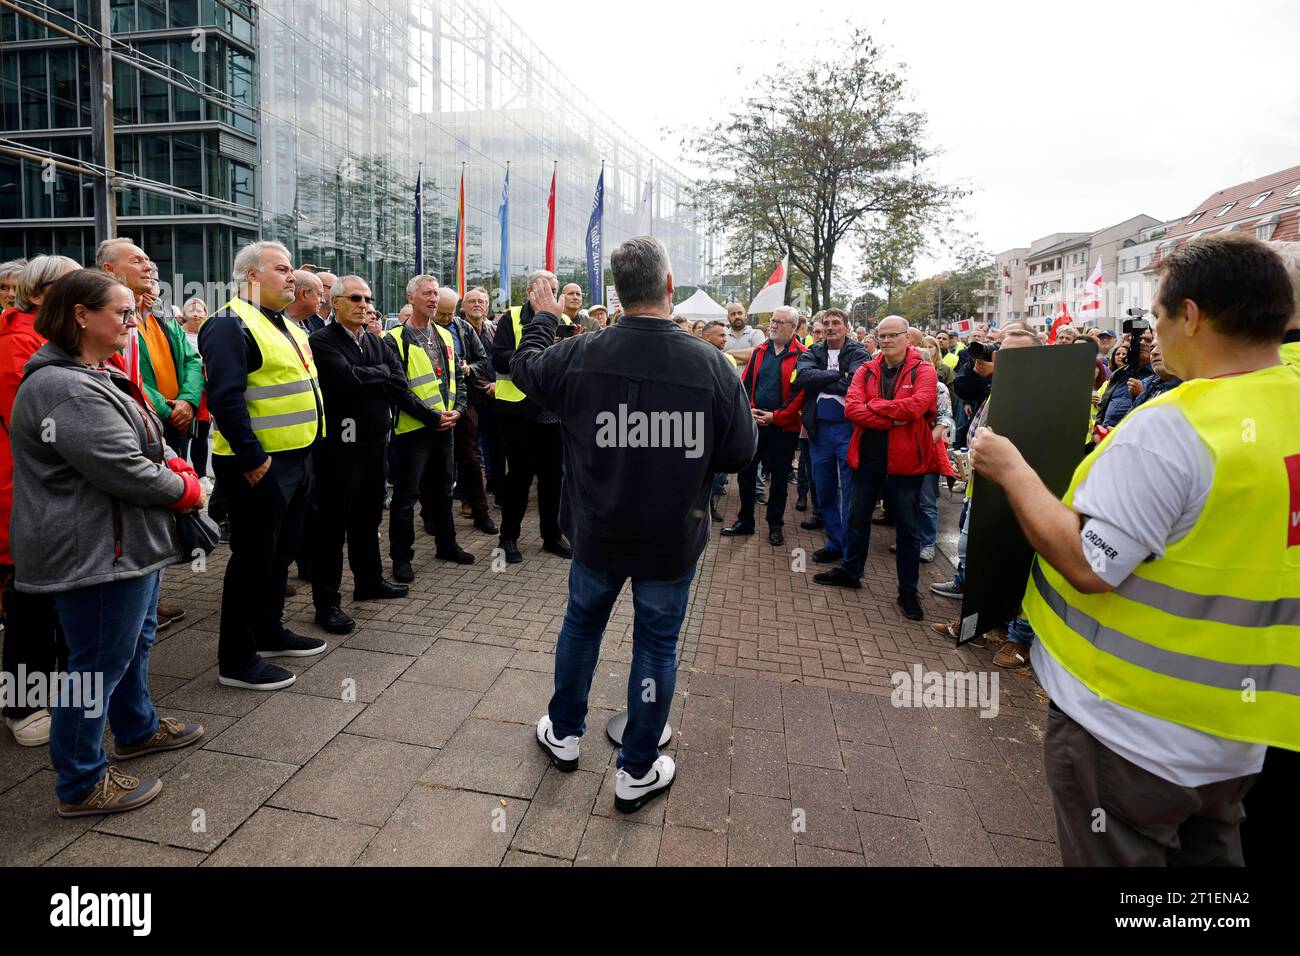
870,484
1020,631
109,629
659,608
833,479
929,527
960,577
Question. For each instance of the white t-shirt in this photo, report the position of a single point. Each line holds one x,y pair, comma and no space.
1144,493
832,361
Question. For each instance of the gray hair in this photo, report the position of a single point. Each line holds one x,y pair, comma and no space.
539,274
641,269
336,290
417,281
107,250
12,267
794,314
38,275
249,258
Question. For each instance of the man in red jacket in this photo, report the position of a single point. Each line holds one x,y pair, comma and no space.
891,404
776,406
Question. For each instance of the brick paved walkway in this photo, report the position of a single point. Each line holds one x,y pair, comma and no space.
789,751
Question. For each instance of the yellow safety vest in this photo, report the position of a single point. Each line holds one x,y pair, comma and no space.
950,359
1208,635
506,390
282,395
1291,353
424,381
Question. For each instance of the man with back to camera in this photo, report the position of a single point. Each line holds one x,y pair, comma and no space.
1167,578
648,417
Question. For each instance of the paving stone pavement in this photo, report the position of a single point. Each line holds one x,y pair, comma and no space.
410,741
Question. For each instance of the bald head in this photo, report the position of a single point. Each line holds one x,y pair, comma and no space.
448,299
891,333
571,295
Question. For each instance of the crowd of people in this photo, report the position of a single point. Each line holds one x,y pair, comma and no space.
296,413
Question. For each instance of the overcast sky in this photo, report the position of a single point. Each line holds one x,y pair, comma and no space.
1062,116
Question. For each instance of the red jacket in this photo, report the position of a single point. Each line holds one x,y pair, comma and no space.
19,341
912,449
788,416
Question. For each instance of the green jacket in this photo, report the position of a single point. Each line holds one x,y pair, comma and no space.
189,369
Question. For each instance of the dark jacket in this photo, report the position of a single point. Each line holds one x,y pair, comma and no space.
911,448
93,478
503,354
1153,387
792,400
814,378
631,508
476,357
361,382
1117,402
971,388
230,353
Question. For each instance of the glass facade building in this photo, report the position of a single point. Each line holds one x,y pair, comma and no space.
322,113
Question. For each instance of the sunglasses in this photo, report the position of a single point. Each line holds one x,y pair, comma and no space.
358,297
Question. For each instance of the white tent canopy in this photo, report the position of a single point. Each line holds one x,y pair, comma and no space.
700,306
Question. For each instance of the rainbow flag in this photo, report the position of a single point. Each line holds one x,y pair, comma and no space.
460,237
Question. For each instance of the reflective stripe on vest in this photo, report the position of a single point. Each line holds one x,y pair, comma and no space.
506,390
1207,635
424,382
282,396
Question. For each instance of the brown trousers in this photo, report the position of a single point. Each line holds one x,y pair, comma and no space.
469,463
1111,812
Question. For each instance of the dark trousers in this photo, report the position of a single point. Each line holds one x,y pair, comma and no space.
177,440
199,448
806,478
1148,821
303,556
776,454
350,496
533,450
424,474
492,447
217,509
469,466
1270,837
33,638
902,495
266,522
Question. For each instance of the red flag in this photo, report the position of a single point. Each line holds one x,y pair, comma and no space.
964,326
772,296
550,228
1062,318
1092,291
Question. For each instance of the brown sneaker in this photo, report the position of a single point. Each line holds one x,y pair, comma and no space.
116,792
168,615
1012,654
172,734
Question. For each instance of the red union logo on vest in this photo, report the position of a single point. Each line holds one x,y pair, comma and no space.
1293,512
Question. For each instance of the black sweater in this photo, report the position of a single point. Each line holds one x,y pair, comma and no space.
631,509
361,382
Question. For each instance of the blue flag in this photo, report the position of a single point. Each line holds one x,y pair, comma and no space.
503,295
419,226
596,242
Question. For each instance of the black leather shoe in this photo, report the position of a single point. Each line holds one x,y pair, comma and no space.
335,621
838,578
486,525
559,546
911,605
737,529
776,536
801,503
511,548
455,553
402,572
826,556
383,591
812,524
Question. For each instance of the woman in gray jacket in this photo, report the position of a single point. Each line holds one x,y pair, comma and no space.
94,488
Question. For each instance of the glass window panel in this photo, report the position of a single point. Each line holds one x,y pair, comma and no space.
185,106
63,88
153,92
153,14
35,90
241,185
36,192
9,98
156,166
126,93
128,201
187,169
70,243
158,245
189,257
121,14
83,84
11,188
185,13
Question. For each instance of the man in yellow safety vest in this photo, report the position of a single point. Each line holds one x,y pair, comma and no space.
1166,590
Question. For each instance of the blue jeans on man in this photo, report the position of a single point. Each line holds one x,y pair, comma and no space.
659,608
929,505
871,482
832,476
109,629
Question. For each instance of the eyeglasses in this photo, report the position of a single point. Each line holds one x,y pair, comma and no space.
887,336
358,297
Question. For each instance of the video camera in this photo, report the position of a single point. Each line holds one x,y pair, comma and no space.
1134,326
983,351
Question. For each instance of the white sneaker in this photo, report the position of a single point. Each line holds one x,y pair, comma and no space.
32,730
927,554
631,794
563,753
207,484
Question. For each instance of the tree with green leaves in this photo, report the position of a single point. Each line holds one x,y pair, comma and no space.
819,149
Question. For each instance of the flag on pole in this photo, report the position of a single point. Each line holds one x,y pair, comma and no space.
1062,318
419,224
964,326
1092,291
596,242
460,236
772,296
550,226
645,210
503,294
